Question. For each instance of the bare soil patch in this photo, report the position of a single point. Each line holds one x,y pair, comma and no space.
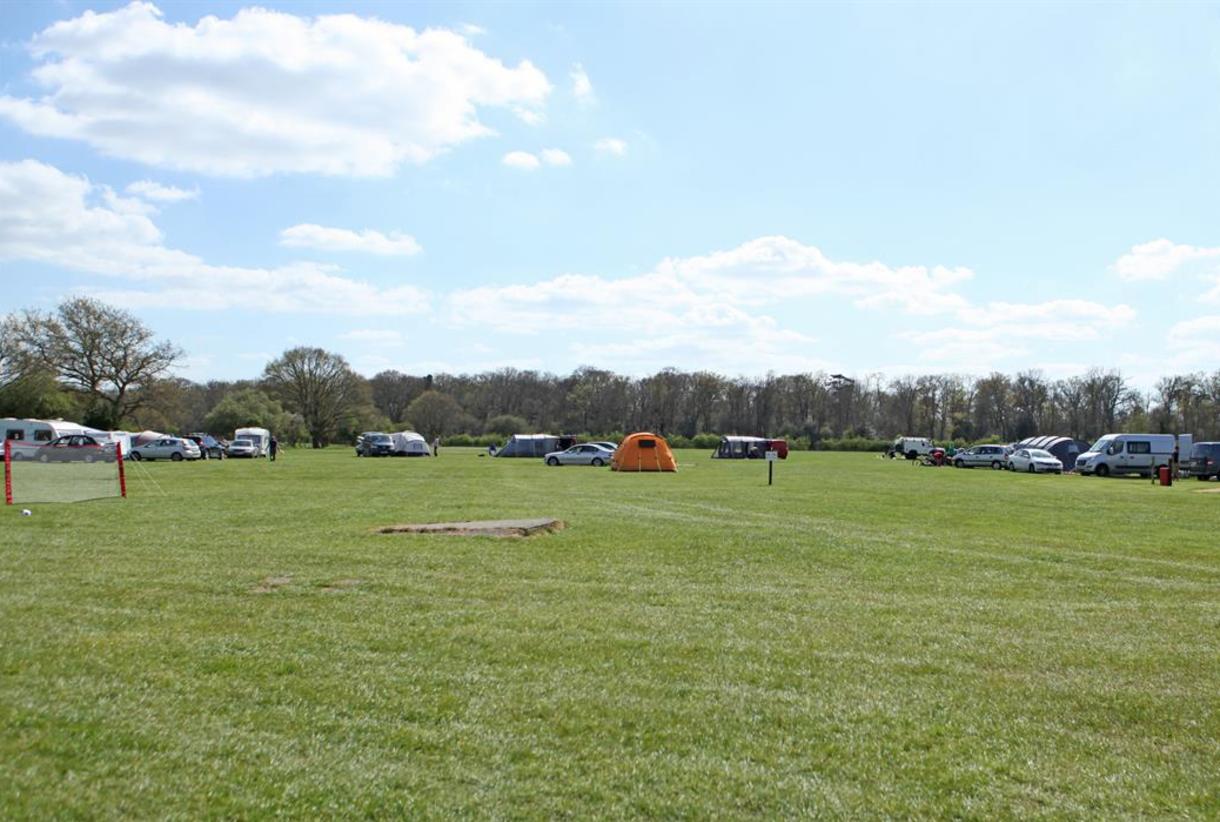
480,528
269,584
341,585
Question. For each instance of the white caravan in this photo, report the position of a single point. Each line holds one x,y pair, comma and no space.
26,435
259,437
120,439
410,444
1127,454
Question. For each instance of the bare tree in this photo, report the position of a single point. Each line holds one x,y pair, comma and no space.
318,385
99,350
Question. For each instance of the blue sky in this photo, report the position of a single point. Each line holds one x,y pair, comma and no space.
892,188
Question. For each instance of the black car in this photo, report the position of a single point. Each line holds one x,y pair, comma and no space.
375,444
1204,462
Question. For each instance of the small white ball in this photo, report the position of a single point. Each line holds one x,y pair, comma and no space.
25,512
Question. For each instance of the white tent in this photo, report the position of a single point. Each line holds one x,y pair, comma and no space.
410,444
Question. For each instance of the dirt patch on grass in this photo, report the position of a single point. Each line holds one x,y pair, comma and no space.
1208,491
480,528
269,584
340,585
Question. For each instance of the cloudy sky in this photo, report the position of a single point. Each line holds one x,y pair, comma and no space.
461,187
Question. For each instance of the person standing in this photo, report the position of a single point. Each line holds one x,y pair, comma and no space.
436,446
274,448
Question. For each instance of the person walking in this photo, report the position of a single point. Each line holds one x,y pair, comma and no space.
274,448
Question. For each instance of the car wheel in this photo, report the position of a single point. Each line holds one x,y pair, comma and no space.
88,458
43,458
995,465
912,455
176,456
552,461
598,462
1102,471
135,455
959,464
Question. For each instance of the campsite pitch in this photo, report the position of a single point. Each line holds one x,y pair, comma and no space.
863,638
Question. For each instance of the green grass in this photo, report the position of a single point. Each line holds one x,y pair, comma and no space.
862,638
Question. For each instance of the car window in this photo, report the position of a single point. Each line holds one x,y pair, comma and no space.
1139,447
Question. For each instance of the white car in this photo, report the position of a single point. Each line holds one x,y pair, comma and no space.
242,448
585,454
166,448
1035,461
990,456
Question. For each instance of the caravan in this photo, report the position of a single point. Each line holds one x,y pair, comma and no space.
28,435
260,438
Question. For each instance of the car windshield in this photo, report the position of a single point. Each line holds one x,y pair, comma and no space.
242,443
1040,454
1102,444
379,438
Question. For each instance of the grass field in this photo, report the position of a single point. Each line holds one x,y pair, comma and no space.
863,638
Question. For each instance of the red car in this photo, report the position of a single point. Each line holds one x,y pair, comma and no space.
75,448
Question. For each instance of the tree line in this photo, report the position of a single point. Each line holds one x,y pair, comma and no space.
101,366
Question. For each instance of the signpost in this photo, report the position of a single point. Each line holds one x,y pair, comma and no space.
772,456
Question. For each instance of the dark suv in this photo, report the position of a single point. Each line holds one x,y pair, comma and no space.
1204,460
375,444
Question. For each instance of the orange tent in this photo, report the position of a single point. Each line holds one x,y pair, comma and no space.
643,452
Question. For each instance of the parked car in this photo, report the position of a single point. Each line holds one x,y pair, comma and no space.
375,444
166,448
585,454
1034,461
209,446
909,447
1139,454
1204,462
990,456
242,448
75,448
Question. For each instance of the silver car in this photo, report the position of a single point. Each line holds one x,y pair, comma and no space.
242,448
991,456
585,454
166,448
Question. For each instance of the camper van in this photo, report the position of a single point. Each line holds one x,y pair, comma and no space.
259,437
910,447
27,435
1119,454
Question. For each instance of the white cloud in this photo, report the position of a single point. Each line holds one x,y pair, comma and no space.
265,92
555,157
522,160
582,87
1160,258
373,336
323,238
471,29
157,193
611,145
50,217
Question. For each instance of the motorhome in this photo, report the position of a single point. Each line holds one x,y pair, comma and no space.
1117,454
260,437
26,435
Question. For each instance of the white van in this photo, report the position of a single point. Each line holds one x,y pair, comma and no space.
910,447
26,435
1127,454
260,437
